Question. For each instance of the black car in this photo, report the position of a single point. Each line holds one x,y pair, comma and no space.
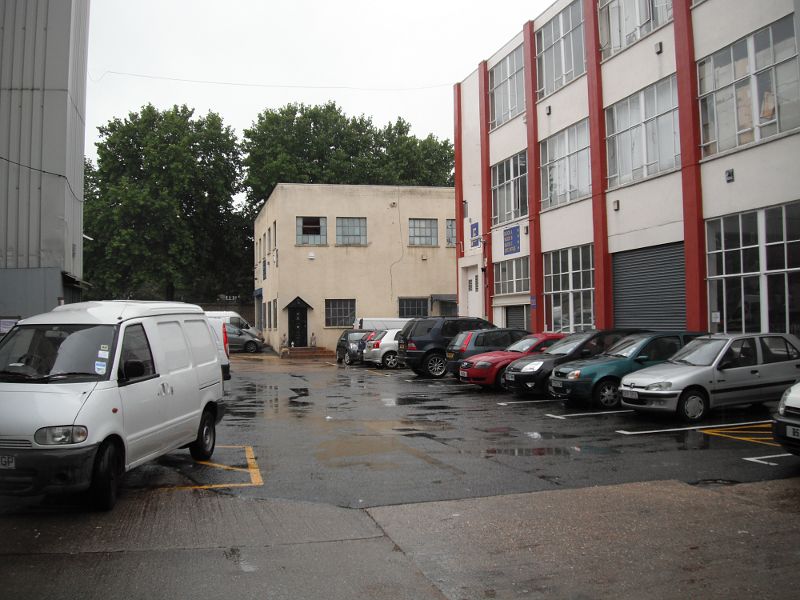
422,343
347,346
532,373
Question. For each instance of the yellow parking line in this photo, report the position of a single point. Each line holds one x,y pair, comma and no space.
746,434
256,479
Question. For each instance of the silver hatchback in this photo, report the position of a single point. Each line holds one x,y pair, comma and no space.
714,371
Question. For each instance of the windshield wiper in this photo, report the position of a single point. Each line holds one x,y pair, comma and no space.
19,376
683,361
69,375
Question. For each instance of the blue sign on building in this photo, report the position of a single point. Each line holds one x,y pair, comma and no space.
511,240
475,235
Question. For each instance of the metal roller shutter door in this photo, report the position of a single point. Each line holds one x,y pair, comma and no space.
515,317
649,288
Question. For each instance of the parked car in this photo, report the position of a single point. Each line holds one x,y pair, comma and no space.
714,371
93,389
488,369
235,319
532,373
382,349
786,427
422,342
470,343
242,340
347,350
597,379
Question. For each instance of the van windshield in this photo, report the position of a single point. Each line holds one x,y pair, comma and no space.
57,353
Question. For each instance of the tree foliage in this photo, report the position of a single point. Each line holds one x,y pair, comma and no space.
320,144
160,210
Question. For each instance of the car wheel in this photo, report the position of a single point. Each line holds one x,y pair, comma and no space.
693,406
104,488
251,347
390,360
606,394
435,365
500,380
338,357
348,360
203,447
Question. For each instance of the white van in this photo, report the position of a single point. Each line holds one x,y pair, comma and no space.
235,319
94,389
379,323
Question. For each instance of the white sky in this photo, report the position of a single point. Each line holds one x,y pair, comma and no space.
313,47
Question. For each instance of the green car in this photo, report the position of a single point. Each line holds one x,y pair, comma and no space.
597,379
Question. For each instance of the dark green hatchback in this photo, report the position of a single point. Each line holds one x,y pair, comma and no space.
597,378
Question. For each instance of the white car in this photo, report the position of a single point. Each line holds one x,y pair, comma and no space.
786,427
382,349
94,389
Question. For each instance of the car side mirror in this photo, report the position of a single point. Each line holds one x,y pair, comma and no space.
586,353
642,358
132,369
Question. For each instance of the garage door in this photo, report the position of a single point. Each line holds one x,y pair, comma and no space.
515,317
649,288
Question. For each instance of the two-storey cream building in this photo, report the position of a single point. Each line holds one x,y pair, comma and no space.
326,255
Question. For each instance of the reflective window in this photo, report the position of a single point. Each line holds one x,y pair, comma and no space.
559,50
506,88
569,289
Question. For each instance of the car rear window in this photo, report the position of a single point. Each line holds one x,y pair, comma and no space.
422,327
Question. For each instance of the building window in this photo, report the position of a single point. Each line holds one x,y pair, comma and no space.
275,313
642,132
559,50
750,90
510,189
565,165
450,232
267,312
623,22
569,289
312,231
754,271
351,231
512,276
413,307
340,312
506,89
423,232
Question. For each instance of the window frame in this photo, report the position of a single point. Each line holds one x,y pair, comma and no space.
562,164
512,190
551,50
423,232
340,312
560,287
409,307
512,276
303,237
507,86
351,231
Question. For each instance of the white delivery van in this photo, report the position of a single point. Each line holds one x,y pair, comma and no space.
235,319
94,389
379,323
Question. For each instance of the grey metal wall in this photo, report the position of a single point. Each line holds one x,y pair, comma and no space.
650,288
43,60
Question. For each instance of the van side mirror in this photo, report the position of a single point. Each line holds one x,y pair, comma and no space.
132,369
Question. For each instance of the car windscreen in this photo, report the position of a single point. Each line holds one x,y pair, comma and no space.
699,352
568,344
46,353
523,345
627,346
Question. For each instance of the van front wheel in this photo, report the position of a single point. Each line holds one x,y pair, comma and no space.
203,447
105,477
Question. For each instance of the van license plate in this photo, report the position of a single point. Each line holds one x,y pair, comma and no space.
7,462
793,432
630,394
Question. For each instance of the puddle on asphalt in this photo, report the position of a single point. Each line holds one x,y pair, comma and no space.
235,556
539,451
409,400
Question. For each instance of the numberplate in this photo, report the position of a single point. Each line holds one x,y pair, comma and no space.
7,462
793,432
462,373
509,376
630,394
556,384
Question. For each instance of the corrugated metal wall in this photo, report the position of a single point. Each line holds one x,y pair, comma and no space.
43,54
650,288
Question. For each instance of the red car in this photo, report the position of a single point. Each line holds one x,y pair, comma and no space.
486,370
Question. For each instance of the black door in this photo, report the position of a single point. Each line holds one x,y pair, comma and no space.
298,326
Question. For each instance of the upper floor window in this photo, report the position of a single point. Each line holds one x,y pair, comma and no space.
512,276
351,231
623,22
450,232
565,165
506,89
312,231
423,232
750,90
559,50
510,189
642,133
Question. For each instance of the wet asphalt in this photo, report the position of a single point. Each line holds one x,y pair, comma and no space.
467,494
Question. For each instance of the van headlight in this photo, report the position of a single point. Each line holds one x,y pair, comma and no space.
660,386
532,367
61,434
782,403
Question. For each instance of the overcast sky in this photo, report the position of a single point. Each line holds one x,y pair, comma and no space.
380,59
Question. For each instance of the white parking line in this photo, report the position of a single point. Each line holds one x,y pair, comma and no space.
624,432
587,414
762,459
527,402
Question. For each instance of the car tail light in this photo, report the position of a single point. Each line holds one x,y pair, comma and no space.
225,341
411,345
465,343
376,344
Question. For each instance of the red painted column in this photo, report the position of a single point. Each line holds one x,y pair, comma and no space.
486,193
459,184
534,181
691,184
603,282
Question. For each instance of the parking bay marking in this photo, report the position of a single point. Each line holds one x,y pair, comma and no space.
252,469
587,414
757,434
510,402
762,460
650,431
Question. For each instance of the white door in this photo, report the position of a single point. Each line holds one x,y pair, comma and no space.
474,293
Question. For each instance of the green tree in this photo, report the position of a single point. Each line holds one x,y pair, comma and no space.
160,209
320,144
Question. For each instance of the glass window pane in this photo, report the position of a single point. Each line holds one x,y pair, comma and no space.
733,262
744,112
766,96
763,49
793,301
714,235
723,68
752,304
783,40
715,264
793,221
716,304
788,84
776,293
707,124
750,260
749,225
666,151
730,227
740,64
705,76
793,255
726,120
733,305
776,257
774,218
